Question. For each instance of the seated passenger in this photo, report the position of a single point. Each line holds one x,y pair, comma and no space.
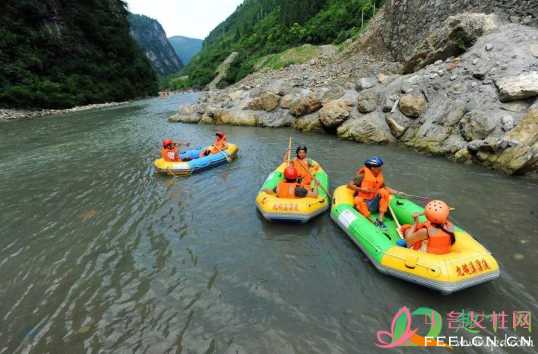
371,193
290,188
304,166
436,235
169,151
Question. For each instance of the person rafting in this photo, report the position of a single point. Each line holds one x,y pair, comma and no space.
371,193
290,187
169,151
436,235
304,166
220,144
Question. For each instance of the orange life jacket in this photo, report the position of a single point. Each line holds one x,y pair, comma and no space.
170,155
301,166
440,240
286,190
371,182
219,145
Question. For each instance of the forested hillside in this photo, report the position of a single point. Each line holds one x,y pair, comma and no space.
261,27
57,54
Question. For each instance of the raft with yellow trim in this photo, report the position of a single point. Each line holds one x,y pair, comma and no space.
293,209
468,263
196,163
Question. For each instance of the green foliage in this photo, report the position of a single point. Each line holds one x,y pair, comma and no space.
60,56
259,28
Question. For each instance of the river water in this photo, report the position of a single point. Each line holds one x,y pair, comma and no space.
98,254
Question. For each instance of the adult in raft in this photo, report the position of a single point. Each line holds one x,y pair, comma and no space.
436,235
220,144
371,193
290,186
304,166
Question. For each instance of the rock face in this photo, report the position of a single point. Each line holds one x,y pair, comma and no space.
151,37
409,22
480,106
518,87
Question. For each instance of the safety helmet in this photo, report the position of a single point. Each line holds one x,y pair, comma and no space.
301,147
290,173
437,212
167,142
374,161
219,134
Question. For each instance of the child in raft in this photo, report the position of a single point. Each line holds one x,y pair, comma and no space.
169,151
436,235
290,188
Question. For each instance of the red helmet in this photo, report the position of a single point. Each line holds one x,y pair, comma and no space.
437,212
220,134
290,173
167,142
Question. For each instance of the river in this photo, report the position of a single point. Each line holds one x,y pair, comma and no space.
98,254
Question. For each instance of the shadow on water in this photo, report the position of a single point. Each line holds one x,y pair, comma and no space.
99,254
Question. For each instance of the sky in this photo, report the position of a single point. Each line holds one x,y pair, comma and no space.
190,18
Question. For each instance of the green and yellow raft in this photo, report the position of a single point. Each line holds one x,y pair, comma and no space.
468,264
297,209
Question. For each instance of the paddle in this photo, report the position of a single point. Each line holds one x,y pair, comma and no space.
397,222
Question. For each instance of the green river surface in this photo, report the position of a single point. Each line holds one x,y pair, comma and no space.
98,254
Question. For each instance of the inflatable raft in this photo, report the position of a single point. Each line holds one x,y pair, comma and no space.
468,263
294,209
196,163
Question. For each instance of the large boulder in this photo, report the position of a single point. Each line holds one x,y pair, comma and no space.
305,105
518,87
236,117
476,125
267,101
308,123
522,156
412,105
275,119
368,129
334,113
367,101
188,114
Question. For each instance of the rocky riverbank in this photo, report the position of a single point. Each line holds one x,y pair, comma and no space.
15,114
469,93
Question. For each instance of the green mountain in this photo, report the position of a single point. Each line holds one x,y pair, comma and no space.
56,54
150,36
261,27
186,47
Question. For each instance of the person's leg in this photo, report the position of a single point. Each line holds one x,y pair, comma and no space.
384,198
362,207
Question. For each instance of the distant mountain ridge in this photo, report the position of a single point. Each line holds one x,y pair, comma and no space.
151,37
186,47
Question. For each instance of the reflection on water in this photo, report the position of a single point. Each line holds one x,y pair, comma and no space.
99,254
